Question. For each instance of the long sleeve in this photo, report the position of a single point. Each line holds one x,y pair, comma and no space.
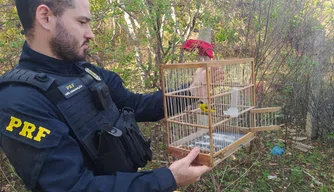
64,170
48,158
147,107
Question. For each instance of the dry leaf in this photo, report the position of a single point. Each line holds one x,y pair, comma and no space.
273,164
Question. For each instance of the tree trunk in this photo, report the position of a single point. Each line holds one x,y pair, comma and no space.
313,116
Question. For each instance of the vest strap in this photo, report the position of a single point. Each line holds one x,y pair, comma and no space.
27,77
105,133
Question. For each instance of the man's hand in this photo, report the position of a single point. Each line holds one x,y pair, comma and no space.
198,85
183,170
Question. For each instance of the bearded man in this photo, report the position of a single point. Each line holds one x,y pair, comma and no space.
68,125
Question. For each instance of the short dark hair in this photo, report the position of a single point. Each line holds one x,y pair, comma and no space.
26,10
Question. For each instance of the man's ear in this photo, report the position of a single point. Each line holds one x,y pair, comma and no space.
45,17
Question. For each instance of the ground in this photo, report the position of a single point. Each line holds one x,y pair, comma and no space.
248,170
256,169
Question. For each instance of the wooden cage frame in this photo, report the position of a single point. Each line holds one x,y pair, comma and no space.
214,158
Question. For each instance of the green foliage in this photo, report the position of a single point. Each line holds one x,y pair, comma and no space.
331,135
272,32
225,35
269,144
296,175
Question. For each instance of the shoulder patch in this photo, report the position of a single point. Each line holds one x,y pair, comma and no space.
30,133
72,88
93,74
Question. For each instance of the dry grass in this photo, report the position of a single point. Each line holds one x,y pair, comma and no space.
246,171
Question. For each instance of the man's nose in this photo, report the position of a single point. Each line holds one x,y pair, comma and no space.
89,34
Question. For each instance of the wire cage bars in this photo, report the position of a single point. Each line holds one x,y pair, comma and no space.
217,113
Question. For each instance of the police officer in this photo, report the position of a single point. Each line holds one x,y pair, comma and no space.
66,124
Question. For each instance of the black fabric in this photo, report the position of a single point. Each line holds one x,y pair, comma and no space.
60,162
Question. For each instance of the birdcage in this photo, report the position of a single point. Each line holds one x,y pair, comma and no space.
216,114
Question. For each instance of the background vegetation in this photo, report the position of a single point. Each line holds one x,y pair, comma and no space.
292,42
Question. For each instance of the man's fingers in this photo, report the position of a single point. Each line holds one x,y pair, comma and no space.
199,170
217,75
217,70
192,155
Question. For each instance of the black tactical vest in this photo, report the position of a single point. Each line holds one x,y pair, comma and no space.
109,136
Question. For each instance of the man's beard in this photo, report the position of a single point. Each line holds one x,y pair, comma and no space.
65,46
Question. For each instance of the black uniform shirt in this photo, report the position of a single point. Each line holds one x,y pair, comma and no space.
39,146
